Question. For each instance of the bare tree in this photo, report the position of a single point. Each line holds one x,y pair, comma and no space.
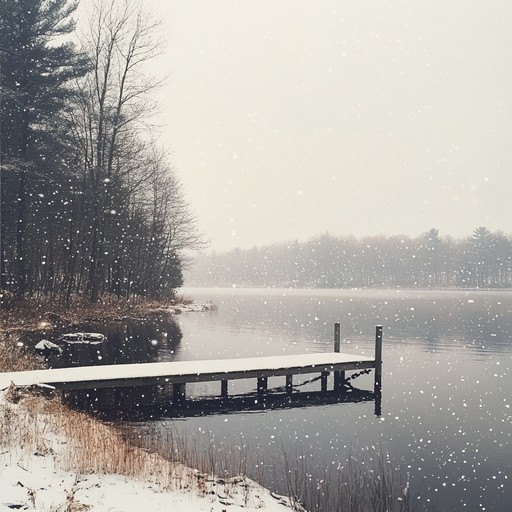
112,104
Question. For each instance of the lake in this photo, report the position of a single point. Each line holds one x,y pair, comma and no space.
446,395
447,383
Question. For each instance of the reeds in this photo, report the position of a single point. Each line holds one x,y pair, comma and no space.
83,445
27,313
368,482
163,457
80,444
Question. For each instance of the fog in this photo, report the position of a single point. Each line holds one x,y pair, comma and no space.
292,118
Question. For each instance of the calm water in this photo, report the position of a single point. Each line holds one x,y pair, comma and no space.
447,383
446,416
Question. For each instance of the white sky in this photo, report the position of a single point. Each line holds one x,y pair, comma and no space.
288,118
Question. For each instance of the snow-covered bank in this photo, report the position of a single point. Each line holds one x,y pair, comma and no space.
42,487
53,459
184,308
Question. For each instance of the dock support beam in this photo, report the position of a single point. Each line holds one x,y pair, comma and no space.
339,376
262,386
224,389
323,379
289,384
378,358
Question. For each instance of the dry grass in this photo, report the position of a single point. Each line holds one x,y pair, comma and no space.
367,483
82,445
13,359
39,313
87,445
27,314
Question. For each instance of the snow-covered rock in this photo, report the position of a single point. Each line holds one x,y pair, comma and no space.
177,309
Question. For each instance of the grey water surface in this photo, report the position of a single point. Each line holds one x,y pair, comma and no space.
446,416
446,419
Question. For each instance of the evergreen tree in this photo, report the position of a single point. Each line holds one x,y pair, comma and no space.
432,246
34,70
482,245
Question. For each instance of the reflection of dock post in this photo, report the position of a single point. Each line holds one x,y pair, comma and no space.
378,358
118,399
377,389
339,375
378,403
179,394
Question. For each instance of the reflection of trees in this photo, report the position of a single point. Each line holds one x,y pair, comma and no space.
327,261
127,342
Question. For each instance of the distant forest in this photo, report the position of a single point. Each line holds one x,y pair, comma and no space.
482,260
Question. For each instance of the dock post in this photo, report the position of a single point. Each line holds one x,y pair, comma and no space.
289,384
378,358
339,375
337,337
224,389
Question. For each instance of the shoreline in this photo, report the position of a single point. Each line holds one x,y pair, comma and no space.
54,458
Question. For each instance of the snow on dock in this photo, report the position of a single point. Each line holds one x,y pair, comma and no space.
182,372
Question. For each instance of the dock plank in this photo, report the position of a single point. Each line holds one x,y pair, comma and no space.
122,375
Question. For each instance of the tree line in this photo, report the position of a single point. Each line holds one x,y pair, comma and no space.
481,260
89,203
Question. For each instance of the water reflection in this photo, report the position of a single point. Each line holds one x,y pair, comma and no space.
447,378
480,321
127,341
273,401
145,403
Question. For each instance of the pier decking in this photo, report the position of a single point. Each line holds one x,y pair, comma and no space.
179,373
182,372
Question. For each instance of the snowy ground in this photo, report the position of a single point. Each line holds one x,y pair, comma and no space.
185,308
38,472
40,486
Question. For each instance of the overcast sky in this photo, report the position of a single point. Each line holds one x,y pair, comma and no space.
289,118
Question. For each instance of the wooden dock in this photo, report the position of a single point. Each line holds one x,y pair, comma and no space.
180,373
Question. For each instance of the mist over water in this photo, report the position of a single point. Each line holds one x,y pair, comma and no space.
445,417
446,402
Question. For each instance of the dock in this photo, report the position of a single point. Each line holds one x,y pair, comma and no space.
180,373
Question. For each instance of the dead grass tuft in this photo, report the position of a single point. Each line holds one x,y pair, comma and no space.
28,313
82,444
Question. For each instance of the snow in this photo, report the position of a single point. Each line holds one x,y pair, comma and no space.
177,309
208,368
41,487
33,477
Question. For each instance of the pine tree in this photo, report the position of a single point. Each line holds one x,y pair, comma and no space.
482,247
34,72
